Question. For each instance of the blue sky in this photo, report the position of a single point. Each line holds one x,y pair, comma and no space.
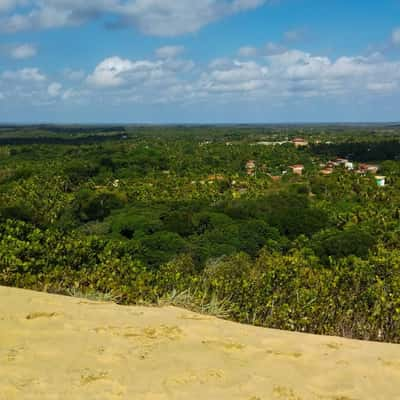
203,61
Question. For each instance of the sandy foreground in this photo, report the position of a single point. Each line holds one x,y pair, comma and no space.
55,347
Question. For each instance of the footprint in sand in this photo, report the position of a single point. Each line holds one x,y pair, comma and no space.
282,354
37,315
390,364
89,377
224,345
334,346
26,382
145,334
195,378
13,354
142,340
343,362
160,332
282,392
109,387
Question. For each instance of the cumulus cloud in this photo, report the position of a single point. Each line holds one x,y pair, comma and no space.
269,79
109,73
23,51
294,73
116,72
24,86
54,89
236,76
154,17
25,74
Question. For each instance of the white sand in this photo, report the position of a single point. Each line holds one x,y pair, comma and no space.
54,347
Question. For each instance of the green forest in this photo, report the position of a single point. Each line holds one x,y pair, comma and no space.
174,215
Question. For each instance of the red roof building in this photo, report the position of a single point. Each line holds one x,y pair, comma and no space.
297,169
327,171
300,142
368,168
251,167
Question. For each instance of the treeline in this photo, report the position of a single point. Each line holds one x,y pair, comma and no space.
69,129
353,297
73,140
151,218
361,151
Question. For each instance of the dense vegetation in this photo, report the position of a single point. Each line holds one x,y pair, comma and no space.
149,214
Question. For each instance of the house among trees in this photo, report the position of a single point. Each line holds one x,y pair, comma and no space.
331,164
327,171
349,165
368,168
344,162
251,167
300,142
380,181
341,161
275,178
297,169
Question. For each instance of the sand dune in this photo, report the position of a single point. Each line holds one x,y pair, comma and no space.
54,347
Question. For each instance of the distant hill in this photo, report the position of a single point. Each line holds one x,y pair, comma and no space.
71,129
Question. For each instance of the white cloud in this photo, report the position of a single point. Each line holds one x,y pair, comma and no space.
25,74
154,17
240,71
109,73
286,75
117,72
169,51
24,86
295,74
396,37
288,58
54,89
233,77
23,51
172,18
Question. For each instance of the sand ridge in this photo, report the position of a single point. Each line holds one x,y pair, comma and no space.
62,348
